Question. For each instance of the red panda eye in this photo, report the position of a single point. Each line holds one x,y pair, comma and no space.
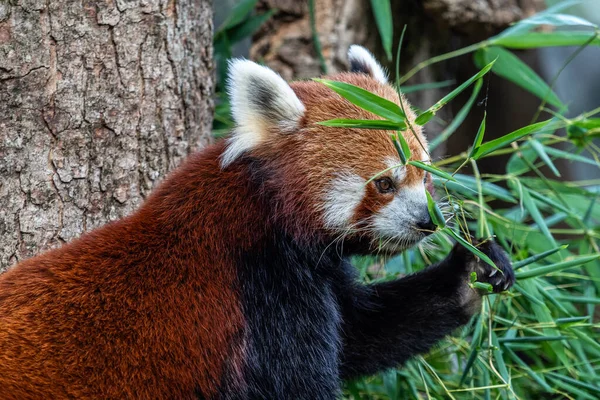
384,185
425,177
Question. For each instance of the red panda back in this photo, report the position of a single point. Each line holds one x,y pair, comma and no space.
131,310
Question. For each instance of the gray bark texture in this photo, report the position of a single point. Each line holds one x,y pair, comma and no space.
98,101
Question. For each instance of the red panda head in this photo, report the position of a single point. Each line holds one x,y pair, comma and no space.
319,176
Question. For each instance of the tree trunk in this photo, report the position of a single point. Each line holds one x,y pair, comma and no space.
98,100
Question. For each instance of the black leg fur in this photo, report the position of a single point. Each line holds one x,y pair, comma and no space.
385,324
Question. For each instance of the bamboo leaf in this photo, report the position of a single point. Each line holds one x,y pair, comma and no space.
426,116
533,339
475,343
470,247
458,119
505,140
366,100
237,14
538,257
537,378
382,11
513,69
434,211
364,124
539,149
534,40
579,299
467,184
432,169
523,26
536,215
483,286
427,86
541,271
248,27
570,156
479,136
557,20
402,147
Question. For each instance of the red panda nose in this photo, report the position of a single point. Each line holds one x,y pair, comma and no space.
426,225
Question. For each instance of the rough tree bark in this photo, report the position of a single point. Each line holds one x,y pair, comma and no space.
98,100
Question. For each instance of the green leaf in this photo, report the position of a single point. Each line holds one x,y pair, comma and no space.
498,357
248,27
479,136
536,215
505,140
545,270
583,385
579,299
530,339
382,11
366,100
483,286
426,116
434,211
401,147
538,257
458,119
475,344
513,69
557,20
427,86
468,185
524,26
539,149
570,156
432,169
533,40
364,124
237,14
537,378
548,200
588,123
470,247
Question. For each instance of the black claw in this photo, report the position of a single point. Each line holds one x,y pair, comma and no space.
500,281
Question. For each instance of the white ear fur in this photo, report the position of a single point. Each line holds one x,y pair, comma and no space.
260,100
361,60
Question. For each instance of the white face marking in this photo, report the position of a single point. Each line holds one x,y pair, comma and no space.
360,55
397,220
340,201
398,170
260,99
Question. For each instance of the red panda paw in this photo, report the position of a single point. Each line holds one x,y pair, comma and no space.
500,278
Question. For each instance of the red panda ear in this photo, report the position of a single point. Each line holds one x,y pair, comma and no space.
362,61
261,101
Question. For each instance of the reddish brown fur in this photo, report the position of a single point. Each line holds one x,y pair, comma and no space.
141,308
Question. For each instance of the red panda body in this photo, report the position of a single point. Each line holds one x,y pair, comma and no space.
136,309
228,283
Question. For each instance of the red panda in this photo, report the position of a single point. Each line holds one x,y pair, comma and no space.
232,280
